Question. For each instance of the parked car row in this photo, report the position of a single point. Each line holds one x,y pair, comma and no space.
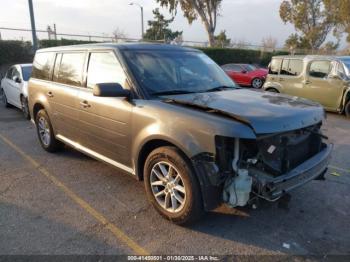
171,117
323,79
14,87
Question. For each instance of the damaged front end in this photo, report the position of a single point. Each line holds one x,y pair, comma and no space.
267,167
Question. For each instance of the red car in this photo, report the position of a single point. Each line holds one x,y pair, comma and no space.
246,75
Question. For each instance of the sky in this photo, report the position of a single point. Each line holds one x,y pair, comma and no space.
244,20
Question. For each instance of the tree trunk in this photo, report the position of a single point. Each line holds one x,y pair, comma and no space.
211,37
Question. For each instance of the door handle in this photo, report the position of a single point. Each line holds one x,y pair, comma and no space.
49,94
281,79
306,82
84,104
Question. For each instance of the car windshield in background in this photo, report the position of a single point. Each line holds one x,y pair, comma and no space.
26,72
160,72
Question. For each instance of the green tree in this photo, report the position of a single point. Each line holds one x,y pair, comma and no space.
340,14
206,10
294,41
221,39
159,28
310,18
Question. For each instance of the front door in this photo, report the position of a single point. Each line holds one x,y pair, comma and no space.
105,122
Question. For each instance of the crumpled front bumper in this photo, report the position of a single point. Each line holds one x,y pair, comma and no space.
307,171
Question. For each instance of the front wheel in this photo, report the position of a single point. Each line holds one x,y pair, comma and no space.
4,98
45,132
347,109
172,186
25,108
257,83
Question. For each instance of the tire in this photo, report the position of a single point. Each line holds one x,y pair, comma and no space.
347,109
45,132
182,185
272,90
25,108
4,98
257,83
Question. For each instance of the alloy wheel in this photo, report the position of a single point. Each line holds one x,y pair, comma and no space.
44,131
257,83
168,187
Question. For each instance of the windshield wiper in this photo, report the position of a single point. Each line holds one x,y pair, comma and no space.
220,88
172,92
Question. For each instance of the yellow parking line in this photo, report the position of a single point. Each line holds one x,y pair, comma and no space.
118,233
339,168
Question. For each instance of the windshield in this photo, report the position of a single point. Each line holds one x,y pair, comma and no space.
346,62
160,72
26,72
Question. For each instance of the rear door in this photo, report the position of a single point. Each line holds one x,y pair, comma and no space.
322,88
105,122
63,92
291,78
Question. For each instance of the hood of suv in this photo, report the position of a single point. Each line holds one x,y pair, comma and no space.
265,112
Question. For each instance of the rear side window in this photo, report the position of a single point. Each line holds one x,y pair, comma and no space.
70,71
292,67
320,69
275,66
105,68
42,65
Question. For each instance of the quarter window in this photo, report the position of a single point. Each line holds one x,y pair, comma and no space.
275,66
320,69
42,65
105,68
292,67
71,69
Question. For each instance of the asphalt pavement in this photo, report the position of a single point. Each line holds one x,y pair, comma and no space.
68,203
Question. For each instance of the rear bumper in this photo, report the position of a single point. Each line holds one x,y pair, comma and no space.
307,171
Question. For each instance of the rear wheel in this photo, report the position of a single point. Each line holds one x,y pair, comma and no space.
347,109
257,83
172,187
4,98
45,132
25,108
272,90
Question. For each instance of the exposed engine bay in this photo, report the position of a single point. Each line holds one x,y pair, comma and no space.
270,165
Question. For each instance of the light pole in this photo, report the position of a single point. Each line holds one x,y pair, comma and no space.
141,7
32,21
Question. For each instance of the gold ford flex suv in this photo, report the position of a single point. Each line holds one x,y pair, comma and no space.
171,117
320,78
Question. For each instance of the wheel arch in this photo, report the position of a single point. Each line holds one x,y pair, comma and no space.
36,108
147,148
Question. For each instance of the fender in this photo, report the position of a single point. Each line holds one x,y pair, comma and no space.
271,84
346,97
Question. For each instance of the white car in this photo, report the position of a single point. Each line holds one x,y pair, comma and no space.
14,87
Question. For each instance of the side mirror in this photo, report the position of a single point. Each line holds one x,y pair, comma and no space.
110,90
17,79
244,71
